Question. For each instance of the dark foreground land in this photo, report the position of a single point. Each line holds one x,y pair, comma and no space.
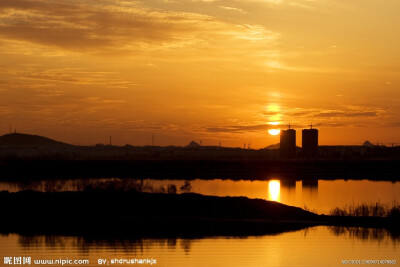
31,169
144,215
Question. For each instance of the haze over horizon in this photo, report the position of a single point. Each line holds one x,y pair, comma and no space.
215,70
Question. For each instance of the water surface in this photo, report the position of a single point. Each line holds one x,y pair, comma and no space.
316,246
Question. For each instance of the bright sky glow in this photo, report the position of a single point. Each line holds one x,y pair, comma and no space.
222,70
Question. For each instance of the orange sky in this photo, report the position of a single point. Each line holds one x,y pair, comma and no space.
215,70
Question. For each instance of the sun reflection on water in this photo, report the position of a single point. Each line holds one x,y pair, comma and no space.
274,190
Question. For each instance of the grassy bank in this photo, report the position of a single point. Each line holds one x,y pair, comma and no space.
369,210
146,214
157,214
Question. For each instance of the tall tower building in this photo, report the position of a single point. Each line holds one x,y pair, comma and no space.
288,143
309,142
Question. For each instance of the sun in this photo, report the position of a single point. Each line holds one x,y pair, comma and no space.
274,131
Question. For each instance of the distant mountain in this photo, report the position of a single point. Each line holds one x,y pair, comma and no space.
274,146
368,144
193,144
27,140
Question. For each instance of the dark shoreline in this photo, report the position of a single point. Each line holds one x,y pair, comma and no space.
127,214
290,169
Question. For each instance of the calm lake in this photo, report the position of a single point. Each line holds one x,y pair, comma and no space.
319,196
316,246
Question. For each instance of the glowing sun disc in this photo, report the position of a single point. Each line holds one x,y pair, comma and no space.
274,131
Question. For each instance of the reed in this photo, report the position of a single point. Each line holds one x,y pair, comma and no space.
376,209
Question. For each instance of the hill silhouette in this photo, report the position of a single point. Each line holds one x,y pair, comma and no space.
273,146
19,140
193,144
368,144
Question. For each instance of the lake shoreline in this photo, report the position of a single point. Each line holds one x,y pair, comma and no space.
153,214
34,169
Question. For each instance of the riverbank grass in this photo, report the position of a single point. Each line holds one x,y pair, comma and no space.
376,209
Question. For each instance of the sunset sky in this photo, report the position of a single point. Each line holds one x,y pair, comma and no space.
211,70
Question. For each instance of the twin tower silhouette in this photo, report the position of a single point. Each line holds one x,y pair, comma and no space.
309,143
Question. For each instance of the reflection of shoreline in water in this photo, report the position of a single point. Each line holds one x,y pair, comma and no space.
286,249
83,244
137,245
289,184
312,184
366,234
309,193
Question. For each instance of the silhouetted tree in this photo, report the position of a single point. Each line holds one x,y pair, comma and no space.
171,189
186,188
